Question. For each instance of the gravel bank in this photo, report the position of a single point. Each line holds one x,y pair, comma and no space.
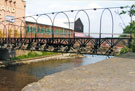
115,74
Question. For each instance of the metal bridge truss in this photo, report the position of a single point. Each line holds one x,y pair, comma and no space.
94,46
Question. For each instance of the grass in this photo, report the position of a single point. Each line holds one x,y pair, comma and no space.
33,55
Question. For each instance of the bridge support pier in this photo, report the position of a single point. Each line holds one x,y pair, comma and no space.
6,54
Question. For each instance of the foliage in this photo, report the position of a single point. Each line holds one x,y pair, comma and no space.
33,55
129,29
10,32
133,43
15,33
124,50
130,12
1,33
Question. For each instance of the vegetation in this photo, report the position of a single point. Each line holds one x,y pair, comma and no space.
15,33
10,32
33,55
123,50
130,12
130,29
1,35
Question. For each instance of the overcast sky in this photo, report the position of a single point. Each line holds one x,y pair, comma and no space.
44,6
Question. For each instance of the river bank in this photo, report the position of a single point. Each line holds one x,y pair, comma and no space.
37,59
115,74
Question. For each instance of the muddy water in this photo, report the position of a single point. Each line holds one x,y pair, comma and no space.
15,78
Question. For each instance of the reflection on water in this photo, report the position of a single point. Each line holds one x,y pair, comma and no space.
14,81
15,78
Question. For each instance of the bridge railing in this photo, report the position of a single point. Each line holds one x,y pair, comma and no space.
104,35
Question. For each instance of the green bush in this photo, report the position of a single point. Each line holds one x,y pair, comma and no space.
124,50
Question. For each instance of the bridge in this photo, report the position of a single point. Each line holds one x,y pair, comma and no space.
71,44
94,46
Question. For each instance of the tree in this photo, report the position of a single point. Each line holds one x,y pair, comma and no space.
131,27
131,12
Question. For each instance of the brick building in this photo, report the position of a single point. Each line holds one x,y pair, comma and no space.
46,31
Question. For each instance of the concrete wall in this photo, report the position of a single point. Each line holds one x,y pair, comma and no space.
5,54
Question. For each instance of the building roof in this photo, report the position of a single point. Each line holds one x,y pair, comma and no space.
47,25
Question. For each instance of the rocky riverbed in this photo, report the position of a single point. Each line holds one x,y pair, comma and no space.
115,74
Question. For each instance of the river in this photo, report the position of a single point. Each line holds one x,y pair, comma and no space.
16,77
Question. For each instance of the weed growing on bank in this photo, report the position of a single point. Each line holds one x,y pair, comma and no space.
33,54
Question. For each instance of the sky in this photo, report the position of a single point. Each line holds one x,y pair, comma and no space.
34,7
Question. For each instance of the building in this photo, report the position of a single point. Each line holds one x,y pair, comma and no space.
46,31
78,27
9,11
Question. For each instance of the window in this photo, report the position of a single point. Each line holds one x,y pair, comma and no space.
56,32
34,29
45,31
61,32
31,29
51,31
28,29
48,31
39,30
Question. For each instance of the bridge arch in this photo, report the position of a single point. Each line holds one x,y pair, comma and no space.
31,35
10,29
100,31
88,20
54,21
21,27
44,15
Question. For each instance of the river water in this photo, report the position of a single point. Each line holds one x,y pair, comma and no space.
16,77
